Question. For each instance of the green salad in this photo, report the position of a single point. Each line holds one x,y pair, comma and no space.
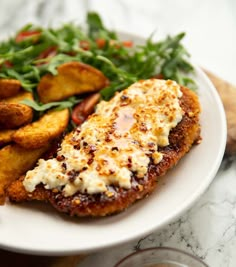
35,51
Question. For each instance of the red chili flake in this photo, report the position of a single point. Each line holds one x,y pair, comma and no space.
92,148
77,146
60,157
64,165
107,138
151,144
72,175
111,171
143,127
124,97
129,165
90,161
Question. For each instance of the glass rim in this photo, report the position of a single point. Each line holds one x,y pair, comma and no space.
160,248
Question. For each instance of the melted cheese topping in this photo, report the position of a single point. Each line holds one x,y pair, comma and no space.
117,141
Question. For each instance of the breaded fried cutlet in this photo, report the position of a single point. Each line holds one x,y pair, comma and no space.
145,158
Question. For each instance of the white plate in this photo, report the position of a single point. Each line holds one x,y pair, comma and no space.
38,229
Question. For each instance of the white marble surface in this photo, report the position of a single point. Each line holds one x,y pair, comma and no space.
208,229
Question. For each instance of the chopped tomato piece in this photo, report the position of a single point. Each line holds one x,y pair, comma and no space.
84,108
159,76
84,44
7,64
100,42
49,52
21,36
127,43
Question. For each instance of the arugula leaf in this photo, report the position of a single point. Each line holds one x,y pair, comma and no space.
96,28
68,103
121,65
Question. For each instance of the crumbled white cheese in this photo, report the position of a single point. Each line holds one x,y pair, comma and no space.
119,139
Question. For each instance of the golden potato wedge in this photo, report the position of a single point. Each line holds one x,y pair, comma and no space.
18,97
13,114
39,133
73,78
6,136
9,87
15,161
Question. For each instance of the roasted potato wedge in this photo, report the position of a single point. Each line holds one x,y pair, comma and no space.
9,87
73,78
39,133
6,136
15,161
18,97
13,114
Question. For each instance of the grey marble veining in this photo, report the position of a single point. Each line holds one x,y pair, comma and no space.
208,229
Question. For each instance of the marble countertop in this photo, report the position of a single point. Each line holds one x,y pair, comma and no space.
208,229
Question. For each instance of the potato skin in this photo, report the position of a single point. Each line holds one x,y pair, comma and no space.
73,78
18,97
15,161
9,87
14,114
6,136
42,131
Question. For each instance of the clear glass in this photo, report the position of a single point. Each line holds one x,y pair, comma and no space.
160,257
